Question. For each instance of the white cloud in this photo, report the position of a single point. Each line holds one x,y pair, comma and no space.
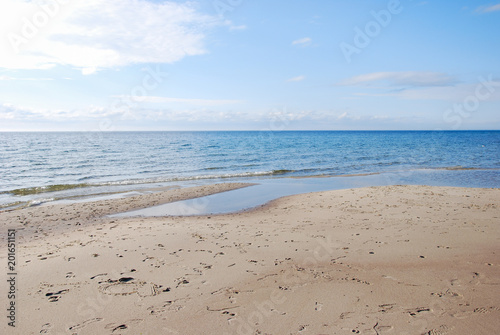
9,112
101,118
488,9
408,78
458,93
88,70
302,41
298,78
342,116
195,102
240,27
96,34
345,116
5,78
21,113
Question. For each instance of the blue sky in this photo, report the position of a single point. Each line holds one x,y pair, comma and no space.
102,65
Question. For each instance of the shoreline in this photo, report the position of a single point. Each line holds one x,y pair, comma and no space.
88,213
36,195
388,259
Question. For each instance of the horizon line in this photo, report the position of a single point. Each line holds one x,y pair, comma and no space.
229,130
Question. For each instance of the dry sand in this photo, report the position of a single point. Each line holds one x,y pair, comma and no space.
378,260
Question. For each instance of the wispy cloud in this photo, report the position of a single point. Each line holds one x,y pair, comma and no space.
302,41
22,113
240,27
298,78
96,34
408,78
11,112
89,70
455,93
488,9
195,102
6,78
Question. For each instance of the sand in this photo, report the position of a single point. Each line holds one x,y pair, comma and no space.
378,260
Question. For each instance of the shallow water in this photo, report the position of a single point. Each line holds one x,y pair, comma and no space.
44,167
270,189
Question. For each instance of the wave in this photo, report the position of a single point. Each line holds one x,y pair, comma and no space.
321,172
215,168
45,189
198,177
39,201
278,172
457,168
23,204
10,206
64,187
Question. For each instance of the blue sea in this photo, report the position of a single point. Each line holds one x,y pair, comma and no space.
38,167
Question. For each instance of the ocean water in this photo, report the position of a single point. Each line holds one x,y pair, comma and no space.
41,167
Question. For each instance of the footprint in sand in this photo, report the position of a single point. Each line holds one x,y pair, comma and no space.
84,323
479,310
462,314
417,311
484,310
116,327
127,286
119,328
386,307
442,330
383,329
98,275
46,328
229,314
302,328
54,296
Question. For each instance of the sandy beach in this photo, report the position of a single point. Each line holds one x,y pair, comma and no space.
378,260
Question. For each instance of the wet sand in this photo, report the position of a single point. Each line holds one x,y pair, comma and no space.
377,260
